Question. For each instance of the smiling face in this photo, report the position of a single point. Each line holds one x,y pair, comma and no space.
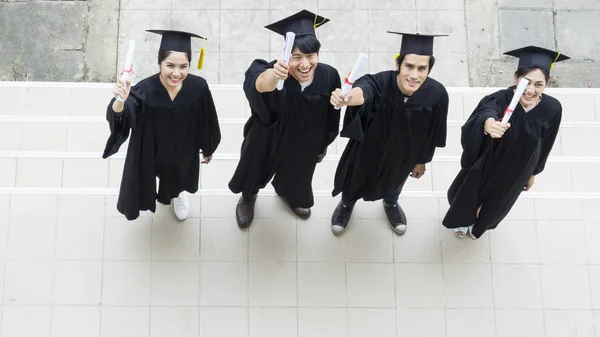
303,66
533,92
412,73
174,69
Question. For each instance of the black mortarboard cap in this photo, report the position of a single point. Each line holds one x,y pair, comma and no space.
537,57
176,40
301,23
419,44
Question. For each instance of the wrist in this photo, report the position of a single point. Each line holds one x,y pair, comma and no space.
118,107
486,123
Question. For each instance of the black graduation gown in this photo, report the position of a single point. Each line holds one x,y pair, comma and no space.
166,139
389,137
495,171
286,133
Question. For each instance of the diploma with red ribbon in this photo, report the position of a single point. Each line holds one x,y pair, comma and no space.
128,67
353,75
515,100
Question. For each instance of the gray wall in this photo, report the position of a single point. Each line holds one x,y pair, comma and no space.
86,40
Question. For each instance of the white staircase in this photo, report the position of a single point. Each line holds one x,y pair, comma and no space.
64,249
62,128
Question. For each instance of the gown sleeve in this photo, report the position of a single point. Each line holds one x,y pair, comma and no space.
333,115
263,105
120,124
353,126
473,139
209,136
548,141
437,134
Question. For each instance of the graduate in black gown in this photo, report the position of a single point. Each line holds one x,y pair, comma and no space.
171,118
500,160
395,120
290,129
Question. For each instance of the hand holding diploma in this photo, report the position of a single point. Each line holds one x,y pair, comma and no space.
287,52
122,91
515,100
280,70
338,99
267,81
349,81
354,97
494,128
123,86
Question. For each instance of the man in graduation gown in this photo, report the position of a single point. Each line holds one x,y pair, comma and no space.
395,120
500,160
290,129
168,118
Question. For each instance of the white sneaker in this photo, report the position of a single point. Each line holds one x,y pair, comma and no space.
181,206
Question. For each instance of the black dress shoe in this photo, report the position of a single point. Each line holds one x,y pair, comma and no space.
303,213
244,211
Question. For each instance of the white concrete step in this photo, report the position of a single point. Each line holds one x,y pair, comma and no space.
89,134
40,116
91,99
52,135
73,134
89,170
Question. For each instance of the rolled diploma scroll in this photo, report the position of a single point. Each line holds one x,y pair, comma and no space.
349,81
128,66
515,100
287,52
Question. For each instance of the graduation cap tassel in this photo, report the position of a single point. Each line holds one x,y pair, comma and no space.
553,62
396,56
201,59
315,25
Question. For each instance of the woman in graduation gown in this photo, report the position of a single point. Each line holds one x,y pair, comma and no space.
290,129
171,117
500,160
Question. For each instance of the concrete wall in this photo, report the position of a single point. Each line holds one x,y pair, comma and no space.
86,40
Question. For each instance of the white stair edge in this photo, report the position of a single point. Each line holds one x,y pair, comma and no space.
233,156
91,120
70,85
270,192
92,85
223,121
